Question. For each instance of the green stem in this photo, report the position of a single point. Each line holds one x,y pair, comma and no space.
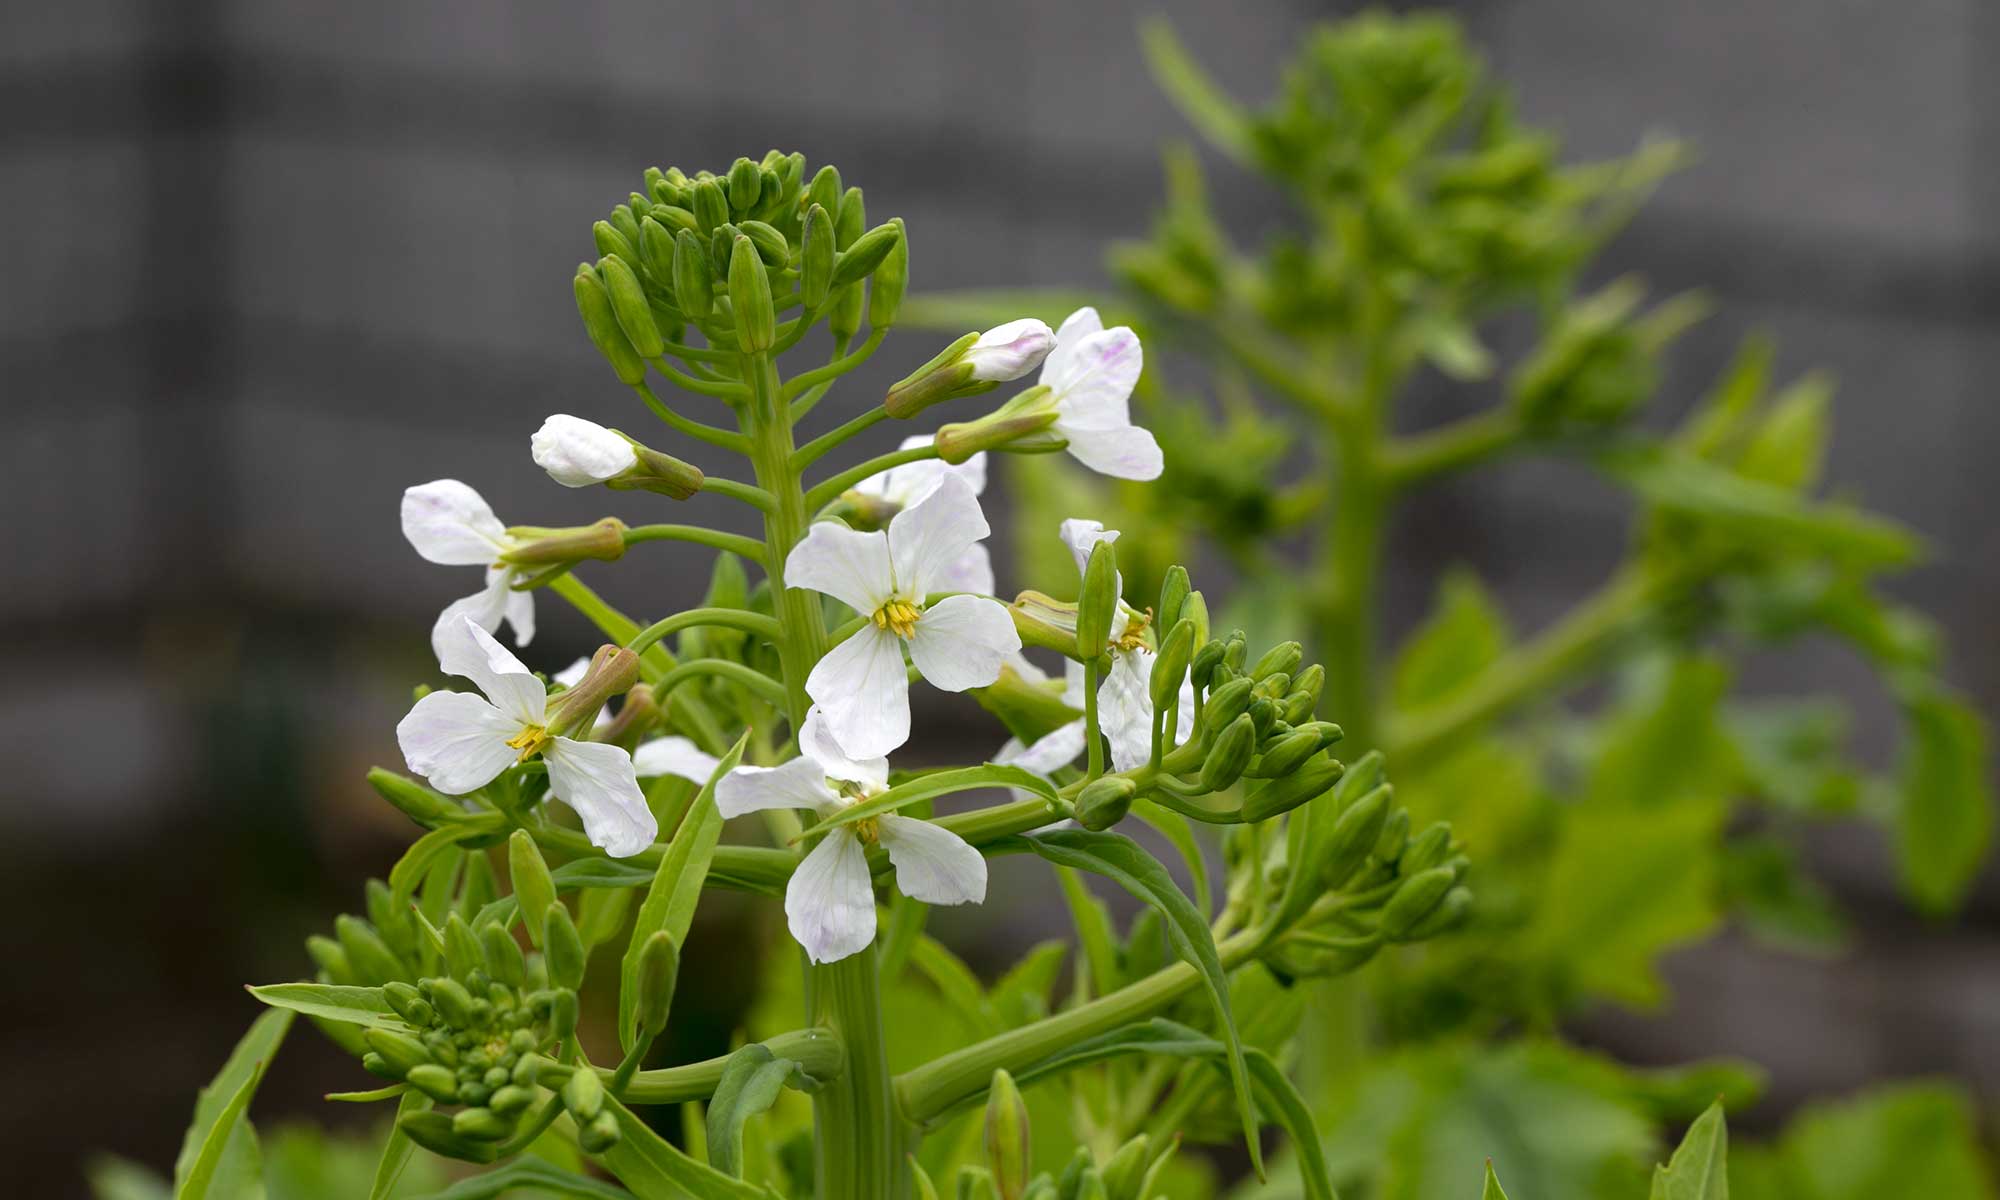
812,451
729,618
697,534
694,429
733,392
827,490
763,686
755,497
1410,460
655,663
817,1050
820,376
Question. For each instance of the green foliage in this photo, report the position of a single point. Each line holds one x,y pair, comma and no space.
1918,1139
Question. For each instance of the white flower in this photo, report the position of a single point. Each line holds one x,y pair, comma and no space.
1124,696
572,674
674,756
911,483
461,743
1091,373
1009,351
958,643
577,453
830,902
450,524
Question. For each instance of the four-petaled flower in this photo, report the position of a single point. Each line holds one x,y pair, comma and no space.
958,643
1124,697
830,901
450,524
1091,374
910,483
461,742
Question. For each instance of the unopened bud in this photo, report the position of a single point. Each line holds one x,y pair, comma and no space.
868,252
1174,590
399,1050
659,969
771,245
826,189
404,1000
1097,606
1104,802
536,545
694,276
411,798
612,242
656,246
593,303
511,1100
1008,1151
481,1124
628,304
562,1013
1311,779
573,712
504,960
578,453
1229,755
746,184
1395,835
711,207
583,1095
750,296
329,956
1450,913
562,947
816,258
600,1134
534,886
1228,702
1281,659
1170,666
1127,1168
440,1083
1045,622
1284,756
1018,428
892,279
367,954
1354,834
1428,849
463,955
1201,668
1414,900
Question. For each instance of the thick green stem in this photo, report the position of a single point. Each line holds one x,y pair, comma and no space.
1350,560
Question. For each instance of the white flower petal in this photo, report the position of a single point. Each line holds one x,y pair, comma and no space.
799,783
1048,753
449,523
851,567
579,453
971,571
1009,351
457,741
830,902
572,674
597,781
927,537
1123,452
463,648
520,609
1125,710
1079,325
816,741
864,692
1081,535
1072,693
1027,670
488,608
962,642
1094,386
911,482
676,756
933,864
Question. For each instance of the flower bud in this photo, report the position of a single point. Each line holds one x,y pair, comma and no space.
1170,666
1090,1186
656,246
562,1013
601,323
694,277
1097,606
1023,425
1395,835
746,184
825,190
868,252
330,957
367,954
411,798
1419,894
463,955
534,886
1127,1168
1174,589
482,1124
1428,849
453,1002
578,453
611,242
1281,659
1227,702
404,1000
536,545
600,1134
511,1100
1354,834
659,967
1201,668
504,960
440,1083
816,258
562,947
1311,779
1009,1155
583,1095
844,309
1045,622
750,296
399,1050
573,712
1450,913
1103,802
711,207
626,221
892,279
1229,755
1283,756
770,244
628,305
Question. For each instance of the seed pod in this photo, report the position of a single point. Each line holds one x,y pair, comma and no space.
771,245
860,260
628,304
1310,780
1226,703
601,323
746,184
1097,607
1450,913
816,258
711,207
694,277
534,887
613,244
583,1095
659,968
399,1050
438,1082
1283,658
1173,593
562,947
1284,755
1126,1168
1413,901
330,957
462,955
503,954
407,1003
367,954
1008,1152
411,798
1230,754
750,295
600,1134
892,279
1355,833
1171,664
1428,849
1103,802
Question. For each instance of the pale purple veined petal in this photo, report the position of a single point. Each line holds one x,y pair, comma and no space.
450,524
1121,452
464,649
1094,388
1061,362
578,453
830,902
927,537
971,571
850,566
1009,351
799,783
864,692
676,756
933,864
962,642
597,781
816,741
909,483
457,741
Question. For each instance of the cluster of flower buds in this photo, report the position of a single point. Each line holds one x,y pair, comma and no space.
1130,1173
726,253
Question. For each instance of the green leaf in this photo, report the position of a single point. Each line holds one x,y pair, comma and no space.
542,1177
1022,994
931,786
219,1156
1699,1169
751,1081
958,986
415,864
114,1178
656,1170
1126,863
1915,1140
333,1002
1464,634
1789,448
1094,935
1664,746
1206,107
1945,818
676,889
1179,832
1492,1190
396,1150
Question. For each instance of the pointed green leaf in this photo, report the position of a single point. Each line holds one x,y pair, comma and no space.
397,1149
1463,635
1699,1169
1492,1190
1945,817
656,1170
333,1002
537,1176
219,1156
751,1081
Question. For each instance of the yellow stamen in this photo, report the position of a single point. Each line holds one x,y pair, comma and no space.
898,616
532,740
1135,632
869,830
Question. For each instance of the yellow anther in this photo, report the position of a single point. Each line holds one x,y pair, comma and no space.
869,830
1135,631
530,741
898,616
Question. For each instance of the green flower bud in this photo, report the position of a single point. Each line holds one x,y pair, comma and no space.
1355,833
1283,756
771,245
1450,913
1127,1168
367,954
562,947
1090,1186
659,968
1103,802
600,1134
562,1012
1227,702
844,310
850,220
975,1183
391,920
330,957
711,208
675,218
626,222
1201,667
1312,681
1195,608
1023,425
1309,781
1262,711
601,323
503,954
1170,666
534,887
1097,607
411,798
1395,834
510,1100
868,252
1009,1155
746,184
573,712
453,1002
825,190
750,296
694,277
438,1082
541,545
1418,895
1281,659
404,1000
816,257
1230,754
583,1095
399,1050
1428,849
628,304
613,244
1173,593
481,1123
892,279
1235,647
1072,1173
462,954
